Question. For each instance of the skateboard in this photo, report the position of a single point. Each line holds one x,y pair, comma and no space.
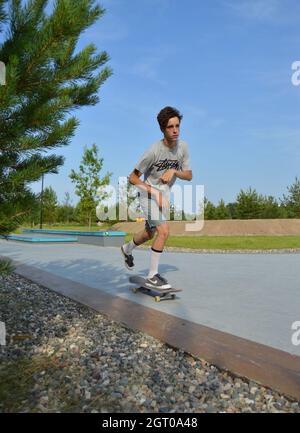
157,294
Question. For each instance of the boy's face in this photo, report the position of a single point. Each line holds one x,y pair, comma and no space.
171,132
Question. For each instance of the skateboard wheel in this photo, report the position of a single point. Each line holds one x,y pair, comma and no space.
157,298
135,290
173,296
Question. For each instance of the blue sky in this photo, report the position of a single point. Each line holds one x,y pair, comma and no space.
225,64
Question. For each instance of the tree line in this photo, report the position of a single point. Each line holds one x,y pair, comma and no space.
248,205
89,187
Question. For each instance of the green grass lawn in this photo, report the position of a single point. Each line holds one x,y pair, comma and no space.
232,242
201,242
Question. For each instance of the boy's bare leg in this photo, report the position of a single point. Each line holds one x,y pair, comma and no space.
161,238
138,239
142,237
156,251
162,233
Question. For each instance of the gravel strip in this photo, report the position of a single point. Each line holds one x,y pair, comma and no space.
213,251
61,356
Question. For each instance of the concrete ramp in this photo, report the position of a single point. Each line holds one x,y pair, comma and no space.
101,238
39,239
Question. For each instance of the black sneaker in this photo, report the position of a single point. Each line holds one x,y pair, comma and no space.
128,258
158,282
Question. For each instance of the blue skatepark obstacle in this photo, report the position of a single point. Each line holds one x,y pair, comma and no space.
101,238
38,240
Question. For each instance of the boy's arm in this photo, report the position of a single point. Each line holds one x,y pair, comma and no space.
186,172
184,175
134,179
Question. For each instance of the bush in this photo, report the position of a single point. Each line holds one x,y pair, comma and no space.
6,267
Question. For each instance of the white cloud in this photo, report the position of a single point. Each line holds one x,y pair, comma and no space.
198,115
256,9
195,111
283,140
147,67
217,122
273,11
284,133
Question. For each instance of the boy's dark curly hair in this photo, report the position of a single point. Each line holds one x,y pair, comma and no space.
165,115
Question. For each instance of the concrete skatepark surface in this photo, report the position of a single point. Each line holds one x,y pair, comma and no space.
253,296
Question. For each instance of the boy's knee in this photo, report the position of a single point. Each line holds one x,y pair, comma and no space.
150,233
163,230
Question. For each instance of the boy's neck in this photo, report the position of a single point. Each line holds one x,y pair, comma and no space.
170,144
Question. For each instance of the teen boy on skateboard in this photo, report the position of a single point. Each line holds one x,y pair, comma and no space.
161,164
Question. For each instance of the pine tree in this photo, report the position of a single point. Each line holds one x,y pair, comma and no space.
269,208
3,14
292,201
232,210
49,205
65,211
45,81
209,210
222,211
248,204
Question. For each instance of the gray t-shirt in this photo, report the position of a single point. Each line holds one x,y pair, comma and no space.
158,158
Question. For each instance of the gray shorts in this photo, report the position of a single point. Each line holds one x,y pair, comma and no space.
154,216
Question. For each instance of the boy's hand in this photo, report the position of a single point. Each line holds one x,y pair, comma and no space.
168,176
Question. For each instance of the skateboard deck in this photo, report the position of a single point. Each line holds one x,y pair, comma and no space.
157,294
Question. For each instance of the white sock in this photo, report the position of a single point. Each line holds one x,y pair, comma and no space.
127,248
154,261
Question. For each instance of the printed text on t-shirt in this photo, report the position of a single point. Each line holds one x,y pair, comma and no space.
167,164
